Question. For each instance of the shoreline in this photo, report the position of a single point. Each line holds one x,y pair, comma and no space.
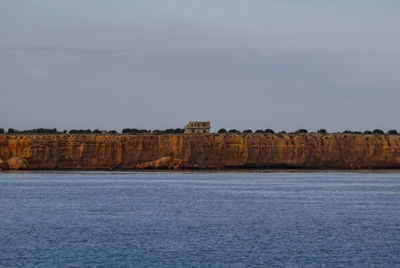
212,170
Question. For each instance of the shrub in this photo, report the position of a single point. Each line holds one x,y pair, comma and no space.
393,132
113,132
134,131
222,130
378,131
234,131
127,131
351,132
368,132
37,131
269,131
169,131
247,131
96,131
80,131
302,131
322,131
259,131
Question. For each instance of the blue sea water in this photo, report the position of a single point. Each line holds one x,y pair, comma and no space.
202,219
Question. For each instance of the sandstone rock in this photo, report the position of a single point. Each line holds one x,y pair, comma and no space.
336,151
3,165
176,164
161,163
17,163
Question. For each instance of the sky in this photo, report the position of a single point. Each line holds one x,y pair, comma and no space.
156,64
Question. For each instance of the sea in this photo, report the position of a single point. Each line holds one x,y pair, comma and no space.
200,219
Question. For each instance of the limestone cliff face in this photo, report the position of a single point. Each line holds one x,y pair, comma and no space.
336,151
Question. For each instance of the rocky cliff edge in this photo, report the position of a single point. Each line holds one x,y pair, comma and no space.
317,151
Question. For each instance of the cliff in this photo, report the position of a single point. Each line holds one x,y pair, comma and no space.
333,151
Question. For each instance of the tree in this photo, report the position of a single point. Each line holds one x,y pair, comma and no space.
393,132
169,131
269,131
247,131
179,130
378,131
96,131
368,132
259,131
1,130
222,130
347,132
322,131
233,131
40,131
127,131
113,132
11,131
134,131
80,131
302,131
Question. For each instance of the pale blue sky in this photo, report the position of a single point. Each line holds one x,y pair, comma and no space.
156,64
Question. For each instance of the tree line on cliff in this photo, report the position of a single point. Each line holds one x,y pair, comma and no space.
305,131
54,131
135,131
156,131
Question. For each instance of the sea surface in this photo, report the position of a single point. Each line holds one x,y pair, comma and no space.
200,219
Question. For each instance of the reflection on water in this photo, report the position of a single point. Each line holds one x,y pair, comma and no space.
228,219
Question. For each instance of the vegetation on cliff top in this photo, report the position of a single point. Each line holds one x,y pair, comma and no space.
135,131
156,131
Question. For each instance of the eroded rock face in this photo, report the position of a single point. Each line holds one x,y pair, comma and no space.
16,163
161,163
336,151
3,165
